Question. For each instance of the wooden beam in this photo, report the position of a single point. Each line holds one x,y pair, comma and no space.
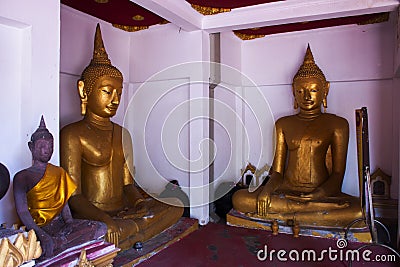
177,12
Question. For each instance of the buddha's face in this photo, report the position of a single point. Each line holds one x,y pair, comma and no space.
105,96
42,149
309,93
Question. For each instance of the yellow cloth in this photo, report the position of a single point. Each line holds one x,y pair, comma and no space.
49,196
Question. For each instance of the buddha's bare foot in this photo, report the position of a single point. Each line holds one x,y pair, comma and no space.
298,198
134,214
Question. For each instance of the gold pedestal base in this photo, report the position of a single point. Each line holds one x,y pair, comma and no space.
360,234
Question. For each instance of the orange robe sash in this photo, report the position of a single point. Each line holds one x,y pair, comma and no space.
49,196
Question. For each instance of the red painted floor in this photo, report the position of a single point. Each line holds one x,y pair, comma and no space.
222,245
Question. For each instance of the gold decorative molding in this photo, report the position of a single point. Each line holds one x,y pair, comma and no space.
138,17
164,22
22,250
210,10
9,254
258,174
244,36
83,261
249,167
101,1
382,17
130,28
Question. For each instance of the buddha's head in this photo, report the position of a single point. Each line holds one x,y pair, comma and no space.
310,87
100,85
41,143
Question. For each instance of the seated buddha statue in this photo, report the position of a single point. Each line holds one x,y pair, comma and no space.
41,194
309,163
101,164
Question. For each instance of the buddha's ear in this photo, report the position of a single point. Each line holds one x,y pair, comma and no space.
81,91
31,146
327,85
83,96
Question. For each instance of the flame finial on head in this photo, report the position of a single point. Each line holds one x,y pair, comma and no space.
41,132
309,69
42,124
100,65
308,57
100,55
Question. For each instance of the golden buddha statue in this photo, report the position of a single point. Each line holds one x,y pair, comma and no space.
309,164
94,156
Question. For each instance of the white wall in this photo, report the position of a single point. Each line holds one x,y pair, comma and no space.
357,60
165,89
29,71
228,125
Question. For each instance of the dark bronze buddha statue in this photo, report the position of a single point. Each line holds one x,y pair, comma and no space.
41,194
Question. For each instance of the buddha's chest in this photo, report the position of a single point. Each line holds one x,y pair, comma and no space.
310,136
101,147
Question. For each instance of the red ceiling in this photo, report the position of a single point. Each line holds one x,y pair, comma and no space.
229,3
116,11
301,26
122,14
121,11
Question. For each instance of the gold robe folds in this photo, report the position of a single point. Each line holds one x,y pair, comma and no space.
49,196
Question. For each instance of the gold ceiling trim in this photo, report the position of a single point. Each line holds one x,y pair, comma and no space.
210,10
244,36
101,1
164,21
138,17
382,17
130,28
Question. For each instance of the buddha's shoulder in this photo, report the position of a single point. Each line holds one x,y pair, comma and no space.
21,175
335,119
72,129
286,120
325,118
120,128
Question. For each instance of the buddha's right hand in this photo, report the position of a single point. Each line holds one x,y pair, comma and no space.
113,233
47,244
263,202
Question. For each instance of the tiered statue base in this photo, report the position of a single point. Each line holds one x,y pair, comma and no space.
359,232
173,234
